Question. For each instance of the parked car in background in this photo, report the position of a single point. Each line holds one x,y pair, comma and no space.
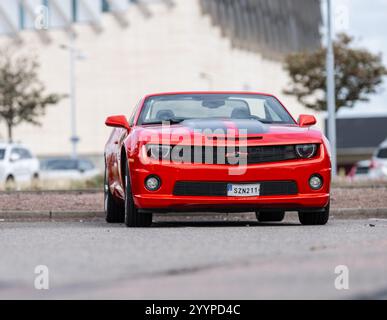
67,169
379,162
361,170
17,165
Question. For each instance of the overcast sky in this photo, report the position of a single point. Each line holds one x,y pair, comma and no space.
367,22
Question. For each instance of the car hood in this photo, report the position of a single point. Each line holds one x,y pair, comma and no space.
255,132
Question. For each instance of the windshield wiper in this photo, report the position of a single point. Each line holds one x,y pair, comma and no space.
260,120
172,121
263,121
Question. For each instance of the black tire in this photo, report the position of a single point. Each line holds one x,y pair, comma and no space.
35,181
270,216
10,183
114,211
133,218
310,218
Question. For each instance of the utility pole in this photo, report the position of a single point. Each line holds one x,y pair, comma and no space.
331,99
73,56
74,138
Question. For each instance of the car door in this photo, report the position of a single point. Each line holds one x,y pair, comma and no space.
27,164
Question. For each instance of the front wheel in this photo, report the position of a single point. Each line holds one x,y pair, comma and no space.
35,181
10,183
133,218
311,218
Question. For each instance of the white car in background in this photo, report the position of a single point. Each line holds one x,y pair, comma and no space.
67,169
379,162
17,165
361,170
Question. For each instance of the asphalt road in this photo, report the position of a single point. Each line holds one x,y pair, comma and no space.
186,260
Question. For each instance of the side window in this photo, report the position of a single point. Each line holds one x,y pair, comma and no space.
21,153
85,165
2,154
61,164
15,154
25,154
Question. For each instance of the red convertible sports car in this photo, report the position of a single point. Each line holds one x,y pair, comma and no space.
215,152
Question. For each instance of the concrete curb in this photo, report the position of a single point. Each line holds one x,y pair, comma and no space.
61,191
48,215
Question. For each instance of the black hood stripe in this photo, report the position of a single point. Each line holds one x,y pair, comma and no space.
250,125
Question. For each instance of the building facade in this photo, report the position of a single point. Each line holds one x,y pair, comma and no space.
130,48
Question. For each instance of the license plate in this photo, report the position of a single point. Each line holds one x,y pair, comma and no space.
243,190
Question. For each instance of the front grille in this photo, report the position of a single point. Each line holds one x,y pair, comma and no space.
234,156
214,188
259,154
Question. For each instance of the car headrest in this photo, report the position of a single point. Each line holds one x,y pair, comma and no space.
240,113
165,115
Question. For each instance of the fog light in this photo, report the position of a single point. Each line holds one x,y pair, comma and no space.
152,183
315,182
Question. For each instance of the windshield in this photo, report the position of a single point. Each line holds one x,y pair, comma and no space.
382,153
2,154
180,107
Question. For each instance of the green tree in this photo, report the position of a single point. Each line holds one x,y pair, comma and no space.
22,94
358,73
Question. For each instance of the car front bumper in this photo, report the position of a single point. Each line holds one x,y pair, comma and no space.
298,171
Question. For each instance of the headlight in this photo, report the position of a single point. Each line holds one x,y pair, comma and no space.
306,151
158,152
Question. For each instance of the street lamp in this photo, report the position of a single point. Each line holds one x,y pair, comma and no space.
331,100
74,54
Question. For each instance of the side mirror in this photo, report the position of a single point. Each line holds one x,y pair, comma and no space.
305,120
14,157
117,122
